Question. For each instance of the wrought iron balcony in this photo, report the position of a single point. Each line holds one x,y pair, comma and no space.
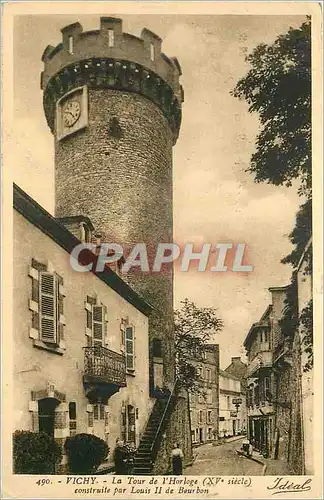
104,372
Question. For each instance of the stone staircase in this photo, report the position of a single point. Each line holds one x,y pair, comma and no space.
151,439
143,461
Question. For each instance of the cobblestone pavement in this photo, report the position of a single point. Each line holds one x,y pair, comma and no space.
222,460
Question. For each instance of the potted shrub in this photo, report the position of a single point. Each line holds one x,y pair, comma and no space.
85,453
35,453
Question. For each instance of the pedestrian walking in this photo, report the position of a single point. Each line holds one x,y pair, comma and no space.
177,459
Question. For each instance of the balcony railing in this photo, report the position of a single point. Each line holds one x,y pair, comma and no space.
105,365
262,360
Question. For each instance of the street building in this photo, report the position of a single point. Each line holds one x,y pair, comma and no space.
304,287
81,345
260,384
238,368
232,405
280,378
204,405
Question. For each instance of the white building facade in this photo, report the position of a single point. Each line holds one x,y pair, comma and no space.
81,354
232,406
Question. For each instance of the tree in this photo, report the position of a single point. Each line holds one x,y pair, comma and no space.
194,327
278,87
300,236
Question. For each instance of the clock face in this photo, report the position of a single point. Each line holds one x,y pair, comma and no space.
71,113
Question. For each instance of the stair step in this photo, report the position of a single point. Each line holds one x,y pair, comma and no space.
143,463
142,472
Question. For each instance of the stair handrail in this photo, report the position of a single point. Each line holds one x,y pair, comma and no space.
163,419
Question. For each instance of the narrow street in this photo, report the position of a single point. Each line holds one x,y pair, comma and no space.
222,460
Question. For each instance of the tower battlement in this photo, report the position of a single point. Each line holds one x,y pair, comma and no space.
110,58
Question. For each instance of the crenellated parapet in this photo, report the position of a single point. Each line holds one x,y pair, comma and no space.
109,58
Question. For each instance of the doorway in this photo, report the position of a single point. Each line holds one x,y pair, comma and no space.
46,415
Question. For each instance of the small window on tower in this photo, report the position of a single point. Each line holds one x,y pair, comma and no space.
71,44
110,38
152,49
157,348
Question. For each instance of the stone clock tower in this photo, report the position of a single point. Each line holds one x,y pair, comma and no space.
113,104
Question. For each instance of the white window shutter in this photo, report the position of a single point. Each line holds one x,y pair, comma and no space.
98,325
48,307
129,347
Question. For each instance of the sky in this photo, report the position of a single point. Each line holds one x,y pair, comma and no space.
215,199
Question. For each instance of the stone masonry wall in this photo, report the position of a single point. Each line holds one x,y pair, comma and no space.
124,184
283,413
296,447
178,431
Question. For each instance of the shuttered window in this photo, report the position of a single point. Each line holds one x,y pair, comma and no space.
48,308
129,347
99,411
98,325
